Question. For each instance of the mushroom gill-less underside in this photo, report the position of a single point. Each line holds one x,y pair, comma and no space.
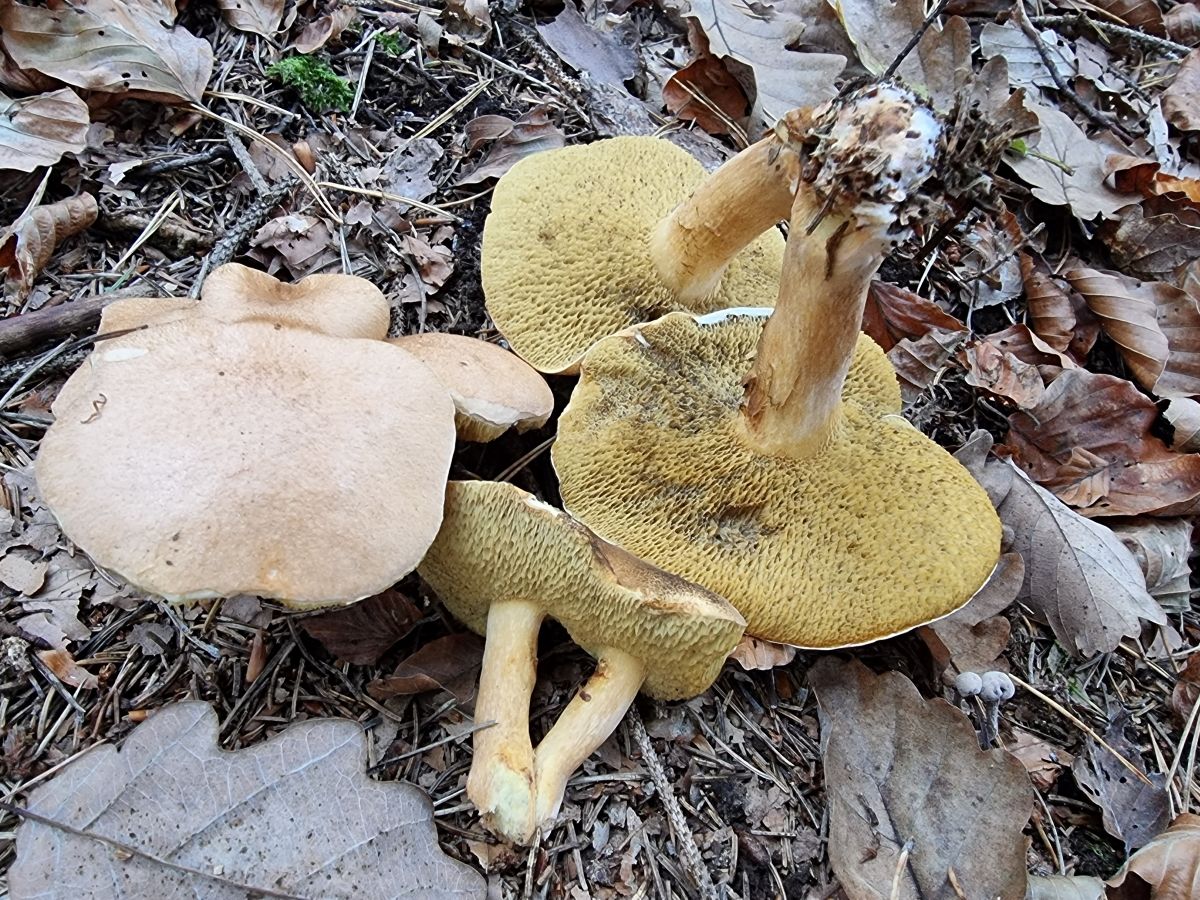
812,551
566,248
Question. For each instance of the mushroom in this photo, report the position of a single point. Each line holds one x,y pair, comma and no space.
586,240
502,562
199,459
755,459
492,389
995,688
336,305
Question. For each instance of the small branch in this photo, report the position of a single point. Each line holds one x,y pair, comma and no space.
29,329
251,890
1163,45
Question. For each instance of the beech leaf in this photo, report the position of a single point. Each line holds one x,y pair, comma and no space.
586,49
296,813
256,16
1184,416
706,93
1181,99
106,45
37,131
364,631
906,774
532,133
893,313
1051,315
1128,318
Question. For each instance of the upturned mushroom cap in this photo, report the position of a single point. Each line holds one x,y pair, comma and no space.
198,459
879,533
492,389
336,305
499,543
566,248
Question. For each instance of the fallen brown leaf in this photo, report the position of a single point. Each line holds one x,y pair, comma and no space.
585,48
1051,314
1134,810
37,131
968,648
1026,346
1186,691
281,815
302,244
469,19
1162,548
449,663
753,653
1042,760
998,593
1132,174
1026,68
1183,24
256,16
363,632
1089,441
23,575
1184,416
320,31
1169,864
1065,887
1078,577
532,133
893,313
758,35
66,670
1002,373
706,93
27,245
106,45
1181,99
1153,240
905,775
1072,172
1142,14
918,363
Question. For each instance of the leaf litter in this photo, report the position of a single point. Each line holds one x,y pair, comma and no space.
976,323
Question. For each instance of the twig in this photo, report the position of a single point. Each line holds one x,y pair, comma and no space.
29,329
1094,115
690,853
242,156
1171,48
174,163
914,40
250,890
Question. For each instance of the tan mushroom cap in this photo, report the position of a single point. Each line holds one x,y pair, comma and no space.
136,312
197,459
493,390
566,248
336,305
500,543
880,532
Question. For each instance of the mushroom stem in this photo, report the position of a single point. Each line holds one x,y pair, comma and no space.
501,781
793,395
750,193
591,716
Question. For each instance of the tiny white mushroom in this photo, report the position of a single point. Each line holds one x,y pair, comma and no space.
968,684
996,687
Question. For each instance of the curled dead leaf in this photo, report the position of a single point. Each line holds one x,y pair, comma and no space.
1181,99
1051,315
920,362
1042,760
37,131
1154,239
1184,416
1169,864
893,314
706,93
320,31
66,670
1186,692
1090,441
753,653
256,16
532,133
1162,548
585,48
1001,373
27,245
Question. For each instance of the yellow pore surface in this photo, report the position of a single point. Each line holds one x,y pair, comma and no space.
880,533
566,248
499,543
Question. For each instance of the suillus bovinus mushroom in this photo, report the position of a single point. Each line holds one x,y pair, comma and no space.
502,563
747,454
197,457
584,241
492,389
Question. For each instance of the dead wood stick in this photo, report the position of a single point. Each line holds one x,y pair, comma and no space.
27,330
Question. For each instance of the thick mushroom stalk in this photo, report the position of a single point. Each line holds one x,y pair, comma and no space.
874,156
648,630
692,246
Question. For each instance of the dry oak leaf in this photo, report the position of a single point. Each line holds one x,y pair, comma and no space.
1025,65
106,45
597,53
919,363
1132,174
1186,691
906,774
27,245
1133,809
363,632
1156,326
758,35
1072,172
1141,14
1089,441
256,16
1162,548
320,31
880,29
296,813
37,131
1181,99
893,313
1169,864
1078,578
